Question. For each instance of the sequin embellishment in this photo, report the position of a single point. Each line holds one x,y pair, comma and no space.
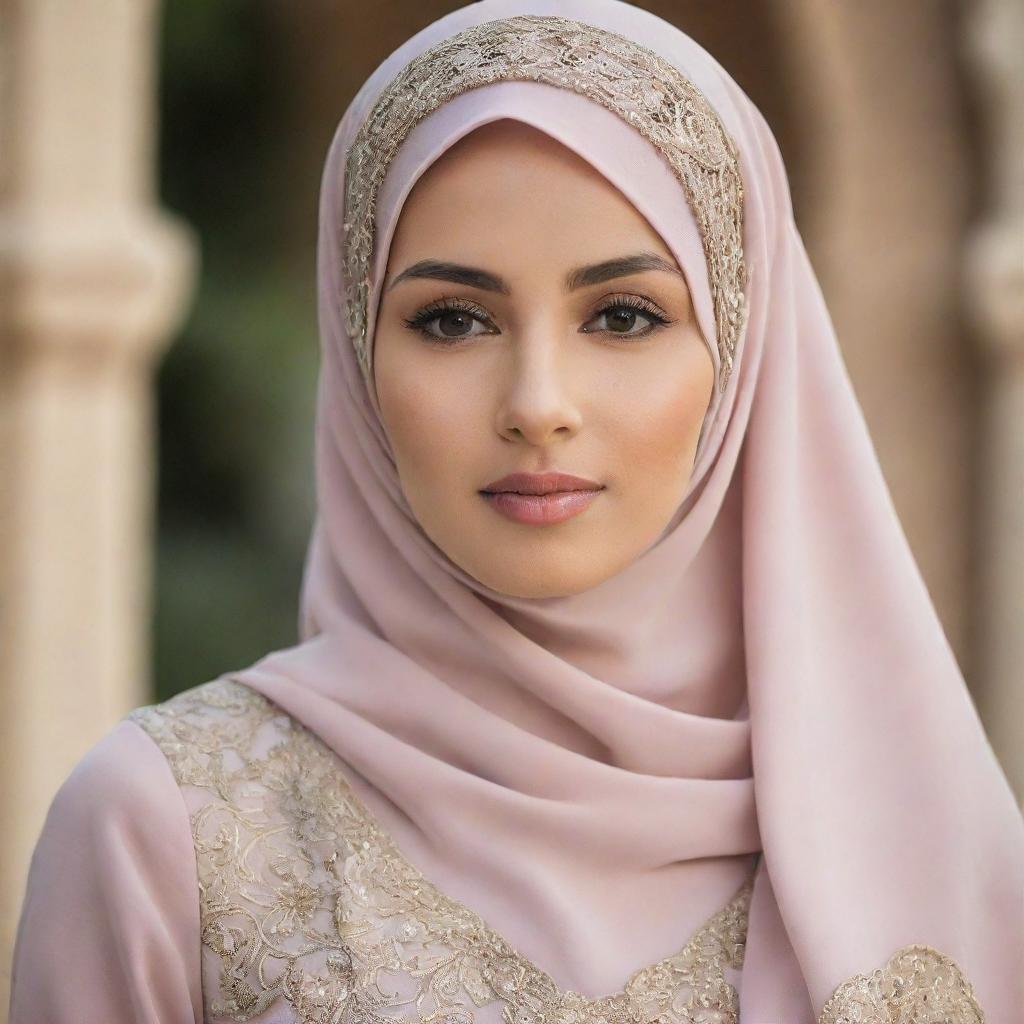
305,901
919,985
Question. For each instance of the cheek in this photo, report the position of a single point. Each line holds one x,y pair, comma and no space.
660,422
429,422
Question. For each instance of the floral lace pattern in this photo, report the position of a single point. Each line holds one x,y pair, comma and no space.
631,80
305,901
919,985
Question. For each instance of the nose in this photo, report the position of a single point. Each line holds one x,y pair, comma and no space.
536,403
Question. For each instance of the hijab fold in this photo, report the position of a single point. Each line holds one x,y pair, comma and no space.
766,689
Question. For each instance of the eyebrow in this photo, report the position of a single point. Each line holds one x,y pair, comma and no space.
581,277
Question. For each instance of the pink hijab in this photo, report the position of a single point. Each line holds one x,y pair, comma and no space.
769,676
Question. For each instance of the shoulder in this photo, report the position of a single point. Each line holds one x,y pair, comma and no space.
135,766
222,701
195,728
118,776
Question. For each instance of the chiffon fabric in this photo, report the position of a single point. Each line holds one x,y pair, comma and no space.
766,689
770,675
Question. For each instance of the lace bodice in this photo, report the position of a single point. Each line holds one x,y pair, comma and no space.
310,913
307,904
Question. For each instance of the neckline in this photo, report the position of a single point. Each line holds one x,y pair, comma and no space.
718,941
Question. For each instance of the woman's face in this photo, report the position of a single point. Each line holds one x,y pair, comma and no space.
517,332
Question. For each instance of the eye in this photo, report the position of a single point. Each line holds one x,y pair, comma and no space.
622,314
454,319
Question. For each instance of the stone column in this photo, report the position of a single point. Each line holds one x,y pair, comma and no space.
93,280
884,202
995,285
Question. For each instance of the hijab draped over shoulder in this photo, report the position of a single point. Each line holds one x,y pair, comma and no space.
769,684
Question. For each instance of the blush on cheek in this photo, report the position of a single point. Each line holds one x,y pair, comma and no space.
673,422
434,447
410,407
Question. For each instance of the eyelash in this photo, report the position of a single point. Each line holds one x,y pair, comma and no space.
433,310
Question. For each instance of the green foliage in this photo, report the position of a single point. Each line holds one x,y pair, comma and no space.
236,388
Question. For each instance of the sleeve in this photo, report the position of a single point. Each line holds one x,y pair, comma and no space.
109,927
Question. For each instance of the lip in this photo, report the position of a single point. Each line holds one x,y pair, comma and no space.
541,499
541,483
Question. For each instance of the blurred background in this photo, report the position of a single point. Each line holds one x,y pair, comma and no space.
159,172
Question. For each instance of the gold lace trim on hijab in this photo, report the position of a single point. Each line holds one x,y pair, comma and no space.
305,898
632,81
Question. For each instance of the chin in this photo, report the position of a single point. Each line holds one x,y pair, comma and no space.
537,591
557,582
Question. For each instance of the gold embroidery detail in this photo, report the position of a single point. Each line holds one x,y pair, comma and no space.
304,897
643,88
919,985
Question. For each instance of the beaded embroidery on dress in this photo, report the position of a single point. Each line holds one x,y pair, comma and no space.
919,985
307,906
627,78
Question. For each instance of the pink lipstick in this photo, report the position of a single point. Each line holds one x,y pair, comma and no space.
541,498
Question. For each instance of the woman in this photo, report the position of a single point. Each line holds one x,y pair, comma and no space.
679,738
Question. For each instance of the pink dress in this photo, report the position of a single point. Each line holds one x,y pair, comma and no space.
109,928
223,869
209,861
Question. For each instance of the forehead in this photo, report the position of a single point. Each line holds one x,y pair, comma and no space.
508,186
